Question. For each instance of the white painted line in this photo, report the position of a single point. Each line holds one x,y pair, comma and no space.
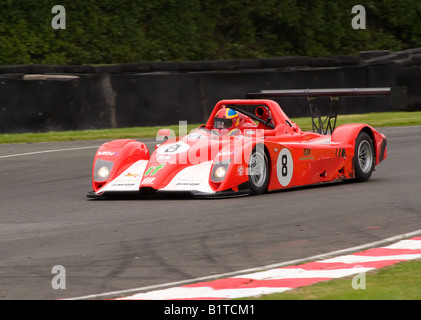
192,293
58,150
303,274
362,259
45,151
406,244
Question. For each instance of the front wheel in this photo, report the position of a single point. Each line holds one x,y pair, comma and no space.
258,171
364,157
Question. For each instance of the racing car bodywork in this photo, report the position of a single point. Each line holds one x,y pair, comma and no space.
271,153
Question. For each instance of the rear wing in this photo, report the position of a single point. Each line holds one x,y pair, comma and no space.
398,100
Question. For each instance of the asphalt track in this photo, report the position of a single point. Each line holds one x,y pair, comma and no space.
104,246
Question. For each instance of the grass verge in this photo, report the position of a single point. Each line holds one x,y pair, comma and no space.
384,119
401,281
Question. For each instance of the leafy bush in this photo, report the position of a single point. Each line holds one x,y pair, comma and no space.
120,31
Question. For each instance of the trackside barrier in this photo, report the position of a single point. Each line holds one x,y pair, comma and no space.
39,98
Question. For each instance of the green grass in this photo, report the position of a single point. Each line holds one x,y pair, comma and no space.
383,119
401,281
99,134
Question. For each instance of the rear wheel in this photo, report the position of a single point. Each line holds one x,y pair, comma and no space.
364,157
258,171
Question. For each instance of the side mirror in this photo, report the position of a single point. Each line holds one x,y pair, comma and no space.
163,135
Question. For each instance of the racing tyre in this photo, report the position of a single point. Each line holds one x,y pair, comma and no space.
258,171
364,157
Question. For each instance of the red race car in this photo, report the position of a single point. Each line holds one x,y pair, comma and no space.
248,146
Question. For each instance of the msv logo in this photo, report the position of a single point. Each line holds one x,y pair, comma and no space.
107,153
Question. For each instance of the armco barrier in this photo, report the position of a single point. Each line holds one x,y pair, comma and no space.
163,93
54,105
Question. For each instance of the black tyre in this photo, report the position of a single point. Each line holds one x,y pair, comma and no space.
364,158
258,171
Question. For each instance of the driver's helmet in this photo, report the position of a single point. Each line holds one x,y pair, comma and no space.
226,118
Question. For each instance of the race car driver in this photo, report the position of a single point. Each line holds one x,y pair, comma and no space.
226,122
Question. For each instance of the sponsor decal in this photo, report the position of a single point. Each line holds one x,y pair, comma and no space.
240,170
163,158
196,136
107,153
189,181
306,155
148,180
154,169
132,175
122,184
225,153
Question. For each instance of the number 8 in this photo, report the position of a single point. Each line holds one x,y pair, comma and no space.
173,148
284,165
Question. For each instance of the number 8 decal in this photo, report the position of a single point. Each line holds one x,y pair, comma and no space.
284,167
173,148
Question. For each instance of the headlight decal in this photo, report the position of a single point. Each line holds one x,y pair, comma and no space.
102,170
219,171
